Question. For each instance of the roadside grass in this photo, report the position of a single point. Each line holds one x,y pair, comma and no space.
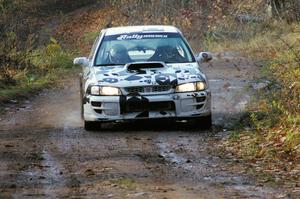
27,89
47,66
15,92
268,135
125,183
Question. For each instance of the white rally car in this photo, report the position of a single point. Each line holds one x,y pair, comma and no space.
143,72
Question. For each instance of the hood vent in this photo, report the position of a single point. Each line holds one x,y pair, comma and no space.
144,65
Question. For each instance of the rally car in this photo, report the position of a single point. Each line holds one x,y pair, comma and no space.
143,72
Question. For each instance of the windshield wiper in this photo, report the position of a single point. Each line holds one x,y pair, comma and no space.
109,64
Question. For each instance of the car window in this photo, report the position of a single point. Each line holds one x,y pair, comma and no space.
138,47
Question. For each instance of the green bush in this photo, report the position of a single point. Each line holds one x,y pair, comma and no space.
52,56
32,70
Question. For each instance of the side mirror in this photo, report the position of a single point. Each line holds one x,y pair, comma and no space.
81,61
204,57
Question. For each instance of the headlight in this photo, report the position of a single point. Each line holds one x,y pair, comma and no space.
201,86
95,90
109,91
105,90
190,87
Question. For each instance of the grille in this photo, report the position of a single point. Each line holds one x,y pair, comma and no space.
148,89
150,106
135,90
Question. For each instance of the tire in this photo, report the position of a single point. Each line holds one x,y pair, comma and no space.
203,123
92,126
81,97
206,122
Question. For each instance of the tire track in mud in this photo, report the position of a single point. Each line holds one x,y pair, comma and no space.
203,169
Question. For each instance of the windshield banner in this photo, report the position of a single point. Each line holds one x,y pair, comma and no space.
139,36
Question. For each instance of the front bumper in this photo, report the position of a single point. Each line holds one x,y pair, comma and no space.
175,105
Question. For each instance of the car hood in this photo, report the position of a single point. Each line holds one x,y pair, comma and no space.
170,74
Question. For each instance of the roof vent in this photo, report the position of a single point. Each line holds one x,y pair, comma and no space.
144,65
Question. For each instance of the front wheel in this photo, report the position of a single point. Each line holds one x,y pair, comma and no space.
92,126
81,96
204,123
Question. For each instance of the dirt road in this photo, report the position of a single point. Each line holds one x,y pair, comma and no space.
45,152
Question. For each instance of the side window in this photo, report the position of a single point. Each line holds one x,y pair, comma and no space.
102,53
94,48
183,49
180,51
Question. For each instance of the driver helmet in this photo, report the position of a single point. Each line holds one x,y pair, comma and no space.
118,54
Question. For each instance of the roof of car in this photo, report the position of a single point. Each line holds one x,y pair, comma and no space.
134,29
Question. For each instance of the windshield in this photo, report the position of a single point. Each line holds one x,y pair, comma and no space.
140,47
